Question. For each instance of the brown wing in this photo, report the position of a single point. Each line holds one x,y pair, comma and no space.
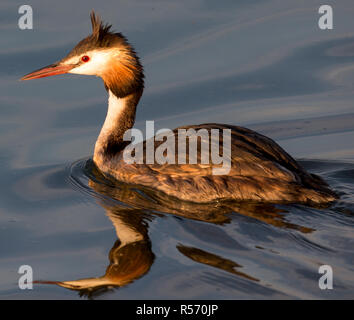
252,154
260,170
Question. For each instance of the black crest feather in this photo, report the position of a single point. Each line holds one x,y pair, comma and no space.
101,37
99,30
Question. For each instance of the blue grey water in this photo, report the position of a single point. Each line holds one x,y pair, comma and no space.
264,64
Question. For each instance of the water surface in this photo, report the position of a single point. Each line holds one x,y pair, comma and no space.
261,64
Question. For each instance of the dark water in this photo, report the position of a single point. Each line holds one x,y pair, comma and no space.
261,64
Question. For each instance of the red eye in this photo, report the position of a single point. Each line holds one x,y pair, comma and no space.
85,58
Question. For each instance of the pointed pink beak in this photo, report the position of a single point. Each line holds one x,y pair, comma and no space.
51,70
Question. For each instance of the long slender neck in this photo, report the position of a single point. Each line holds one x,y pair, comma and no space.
120,117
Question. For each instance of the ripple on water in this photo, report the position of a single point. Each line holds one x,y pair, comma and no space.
239,250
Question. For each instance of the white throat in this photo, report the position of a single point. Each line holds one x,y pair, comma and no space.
115,110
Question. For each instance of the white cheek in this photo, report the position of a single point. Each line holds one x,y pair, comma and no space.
87,68
95,66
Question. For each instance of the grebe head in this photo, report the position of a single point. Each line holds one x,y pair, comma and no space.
104,54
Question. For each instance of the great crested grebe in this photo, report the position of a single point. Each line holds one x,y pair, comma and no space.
260,169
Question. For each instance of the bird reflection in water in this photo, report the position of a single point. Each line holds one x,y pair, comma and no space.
131,209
